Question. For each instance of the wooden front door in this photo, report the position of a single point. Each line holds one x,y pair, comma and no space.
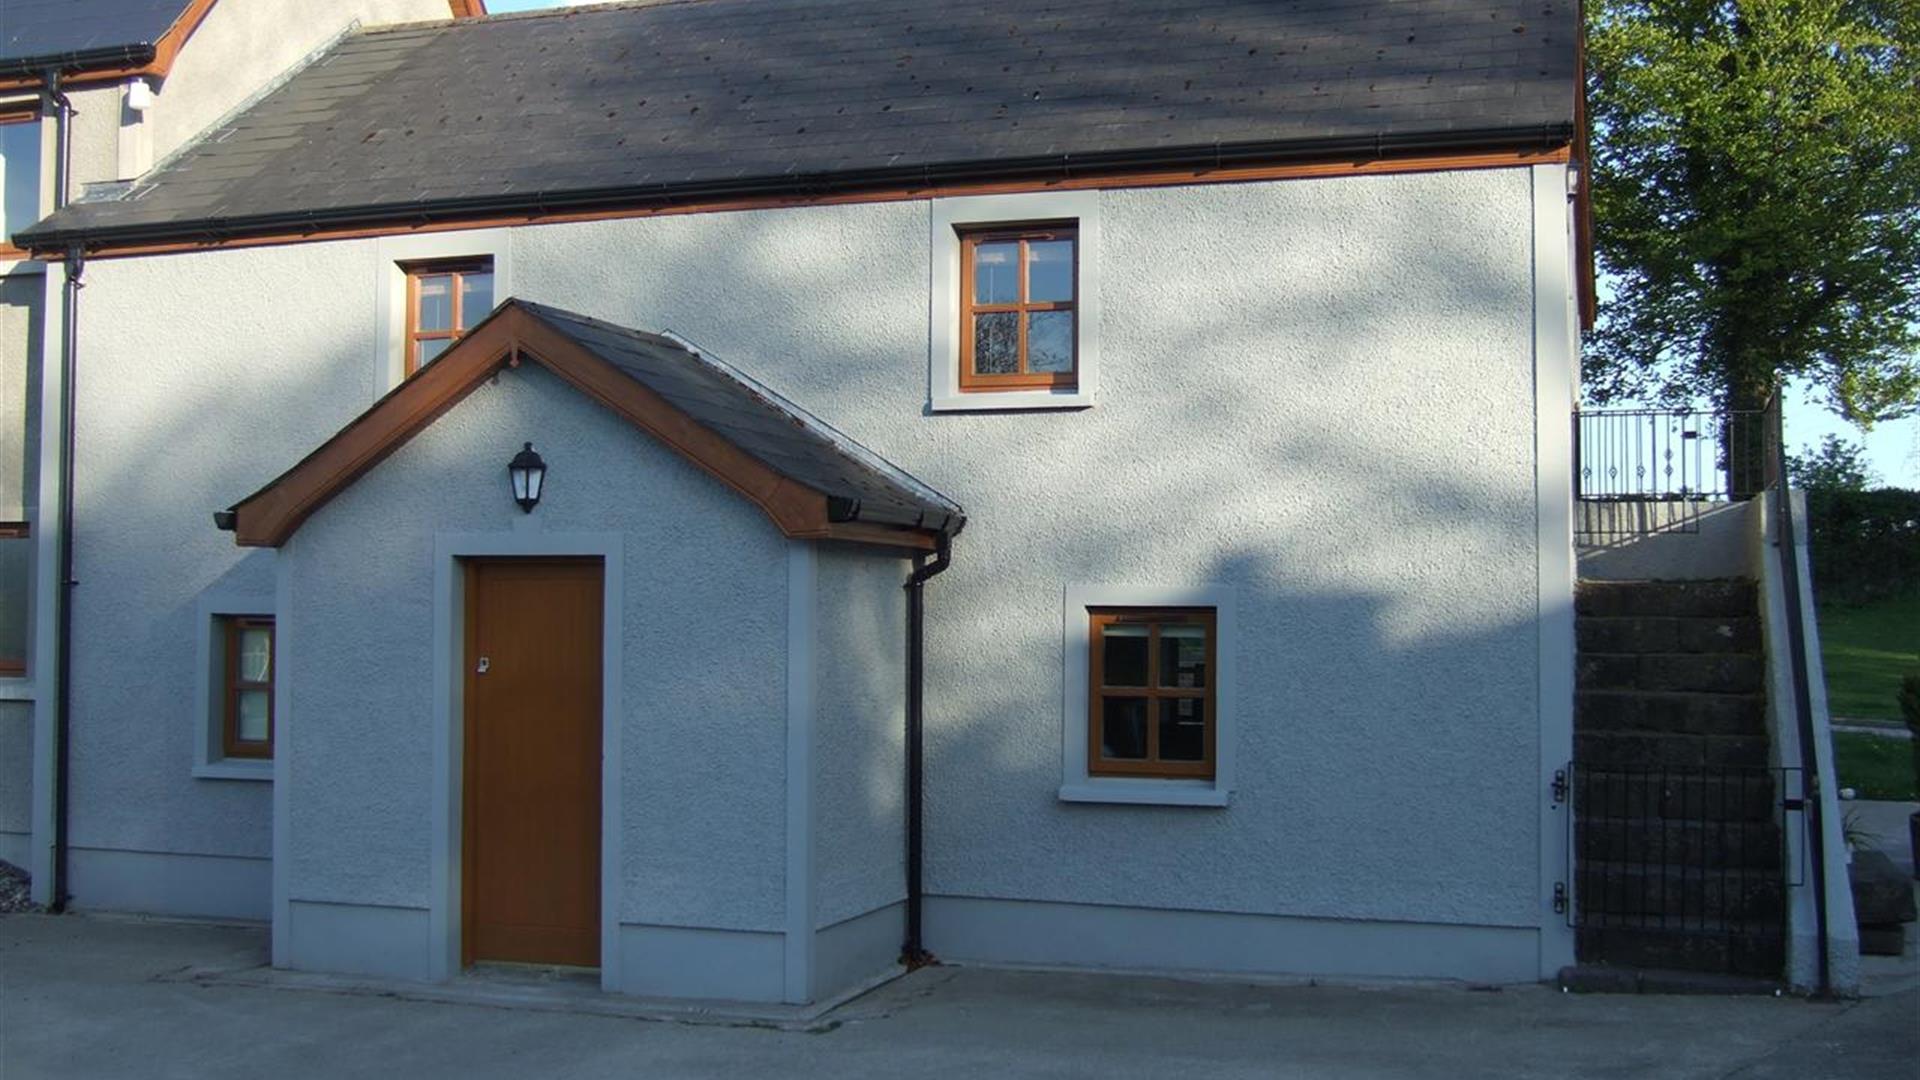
531,836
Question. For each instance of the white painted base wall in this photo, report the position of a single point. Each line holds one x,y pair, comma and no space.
159,883
963,929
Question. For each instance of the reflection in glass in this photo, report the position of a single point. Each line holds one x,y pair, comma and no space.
1050,270
476,297
996,273
1183,656
1183,729
256,655
996,343
425,351
434,303
1050,341
1124,655
252,725
1123,728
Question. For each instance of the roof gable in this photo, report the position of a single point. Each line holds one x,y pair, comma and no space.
813,482
612,105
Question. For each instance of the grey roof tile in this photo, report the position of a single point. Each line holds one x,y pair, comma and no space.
50,29
596,102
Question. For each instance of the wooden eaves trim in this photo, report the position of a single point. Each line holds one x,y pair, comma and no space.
511,335
164,52
1413,163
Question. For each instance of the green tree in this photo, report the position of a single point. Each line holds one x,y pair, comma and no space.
1837,465
1757,200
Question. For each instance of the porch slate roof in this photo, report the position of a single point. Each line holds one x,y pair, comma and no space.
812,480
55,30
653,102
782,435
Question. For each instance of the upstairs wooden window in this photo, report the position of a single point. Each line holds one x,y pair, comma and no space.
1151,692
1019,309
19,173
247,729
444,301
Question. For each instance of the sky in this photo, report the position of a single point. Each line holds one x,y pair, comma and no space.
1892,449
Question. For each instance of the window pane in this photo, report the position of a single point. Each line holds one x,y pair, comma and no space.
433,308
19,176
251,724
1183,729
1050,270
1050,341
256,655
476,297
15,579
1123,654
996,273
1123,728
1183,655
996,345
425,351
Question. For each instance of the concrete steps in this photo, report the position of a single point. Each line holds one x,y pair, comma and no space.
1676,846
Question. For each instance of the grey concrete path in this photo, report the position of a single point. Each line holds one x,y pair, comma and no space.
99,998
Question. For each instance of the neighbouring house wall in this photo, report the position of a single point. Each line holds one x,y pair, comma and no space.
242,46
1317,392
703,686
859,754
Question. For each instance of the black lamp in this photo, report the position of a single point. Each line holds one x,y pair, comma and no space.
528,472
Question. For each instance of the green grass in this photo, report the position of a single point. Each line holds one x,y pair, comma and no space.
1875,767
1866,649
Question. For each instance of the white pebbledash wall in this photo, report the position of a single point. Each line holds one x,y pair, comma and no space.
1319,393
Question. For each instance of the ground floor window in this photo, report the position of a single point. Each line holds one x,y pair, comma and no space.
1148,712
247,721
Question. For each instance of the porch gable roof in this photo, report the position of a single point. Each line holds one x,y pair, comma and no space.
812,481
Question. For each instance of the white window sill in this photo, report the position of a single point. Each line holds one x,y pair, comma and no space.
234,770
1012,400
1146,792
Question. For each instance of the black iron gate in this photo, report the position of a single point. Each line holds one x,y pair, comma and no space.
1682,866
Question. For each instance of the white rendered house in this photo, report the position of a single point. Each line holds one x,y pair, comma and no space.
1081,487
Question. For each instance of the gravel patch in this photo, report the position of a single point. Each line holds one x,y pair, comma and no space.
13,890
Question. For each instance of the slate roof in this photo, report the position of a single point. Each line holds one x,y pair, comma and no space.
53,31
630,104
781,435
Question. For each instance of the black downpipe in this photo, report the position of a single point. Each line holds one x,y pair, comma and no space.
1802,696
69,349
913,953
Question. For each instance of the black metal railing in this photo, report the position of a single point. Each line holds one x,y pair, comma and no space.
1644,471
1695,854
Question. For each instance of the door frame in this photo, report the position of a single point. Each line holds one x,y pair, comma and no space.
450,550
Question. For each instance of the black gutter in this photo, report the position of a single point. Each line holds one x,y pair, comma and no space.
69,351
112,56
1789,547
1359,148
913,952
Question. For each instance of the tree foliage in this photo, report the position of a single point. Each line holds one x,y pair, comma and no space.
1757,200
1837,465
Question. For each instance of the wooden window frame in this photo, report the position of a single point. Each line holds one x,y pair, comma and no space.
19,114
457,269
231,744
1098,619
1021,379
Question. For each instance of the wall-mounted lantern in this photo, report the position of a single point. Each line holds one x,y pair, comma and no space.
528,472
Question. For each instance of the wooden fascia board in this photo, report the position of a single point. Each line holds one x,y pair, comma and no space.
164,52
909,541
270,516
467,9
1499,159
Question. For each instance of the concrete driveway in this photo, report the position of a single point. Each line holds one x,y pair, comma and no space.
105,998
